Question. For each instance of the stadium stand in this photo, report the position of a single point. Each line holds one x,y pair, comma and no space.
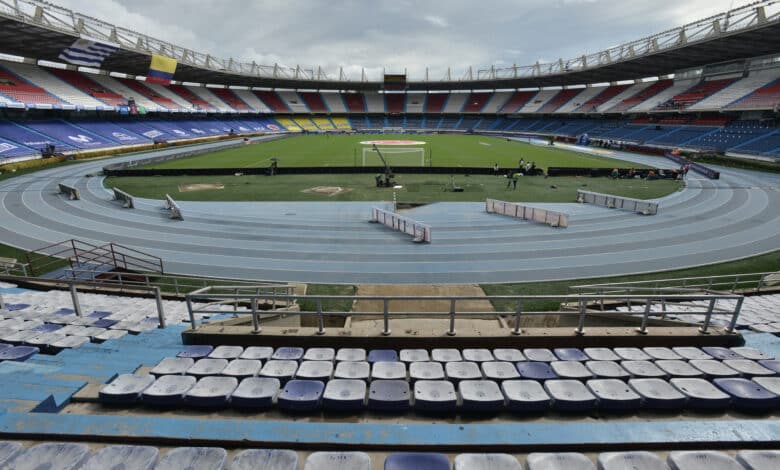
334,102
517,101
273,101
395,103
652,102
192,100
21,90
699,92
355,103
435,102
455,103
293,101
740,88
476,102
227,96
577,101
375,103
602,97
251,100
84,83
539,99
140,88
496,102
40,77
646,93
766,97
113,84
208,95
563,97
314,102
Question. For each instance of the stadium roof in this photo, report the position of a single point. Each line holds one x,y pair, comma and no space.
39,30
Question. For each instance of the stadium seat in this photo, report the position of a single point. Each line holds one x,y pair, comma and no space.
287,354
632,354
677,368
9,450
206,367
614,395
315,370
351,355
434,395
571,370
748,368
771,364
386,370
658,394
601,354
570,395
535,370
662,353
477,355
499,370
193,457
558,461
168,390
643,369
747,394
211,391
759,459
241,368
570,354
196,351
701,460
279,369
508,355
59,456
131,457
750,353
265,459
525,395
417,461
446,355
480,395
172,366
226,352
18,353
344,394
486,462
457,371
338,460
634,460
539,355
382,355
352,370
701,394
426,371
301,395
126,388
319,354
255,393
257,353
389,395
414,355
713,369
721,353
607,370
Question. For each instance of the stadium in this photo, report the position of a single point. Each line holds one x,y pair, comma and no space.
213,263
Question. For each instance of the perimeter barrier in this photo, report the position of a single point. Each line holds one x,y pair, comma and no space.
534,214
639,206
420,232
72,193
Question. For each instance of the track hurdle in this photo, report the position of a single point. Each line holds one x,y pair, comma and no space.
72,193
124,198
534,214
420,232
617,202
171,205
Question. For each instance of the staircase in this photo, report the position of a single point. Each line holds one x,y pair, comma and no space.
88,262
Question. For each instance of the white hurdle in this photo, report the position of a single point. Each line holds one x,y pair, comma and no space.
420,232
617,202
124,198
171,205
72,193
534,214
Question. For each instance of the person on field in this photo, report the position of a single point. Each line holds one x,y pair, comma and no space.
495,169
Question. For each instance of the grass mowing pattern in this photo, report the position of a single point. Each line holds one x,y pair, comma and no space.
346,150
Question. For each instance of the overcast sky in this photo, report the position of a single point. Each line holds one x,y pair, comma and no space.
398,34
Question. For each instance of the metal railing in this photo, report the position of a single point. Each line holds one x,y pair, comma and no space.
15,269
212,299
720,283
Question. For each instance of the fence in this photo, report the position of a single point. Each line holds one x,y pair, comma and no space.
124,198
171,205
72,193
213,299
617,202
723,283
420,232
535,214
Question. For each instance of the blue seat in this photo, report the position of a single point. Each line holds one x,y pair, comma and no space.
43,341
664,354
701,394
601,354
632,354
607,370
414,355
8,451
771,364
211,392
255,392
701,460
301,395
713,369
16,307
558,461
499,370
279,369
534,370
99,314
571,370
748,394
382,355
759,459
462,370
18,353
52,456
389,395
477,355
226,352
446,355
206,367
351,355
486,462
338,460
315,370
196,351
104,323
749,368
525,395
643,370
352,370
480,395
508,355
319,354
265,459
677,368
570,395
434,395
257,353
658,394
634,460
570,354
241,368
770,383
388,370
287,354
721,353
131,458
172,366
344,394
168,390
614,395
751,353
417,461
539,355
426,371
126,388
193,458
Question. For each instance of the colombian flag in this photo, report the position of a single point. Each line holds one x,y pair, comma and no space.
161,70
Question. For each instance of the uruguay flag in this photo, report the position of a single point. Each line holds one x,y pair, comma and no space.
88,53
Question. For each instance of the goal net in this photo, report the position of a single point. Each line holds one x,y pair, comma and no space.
395,156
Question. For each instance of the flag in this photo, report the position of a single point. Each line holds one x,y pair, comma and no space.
161,70
87,52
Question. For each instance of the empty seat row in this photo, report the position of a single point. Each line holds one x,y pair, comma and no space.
762,393
472,354
66,456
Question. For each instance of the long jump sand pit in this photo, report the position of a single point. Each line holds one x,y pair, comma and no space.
186,188
327,190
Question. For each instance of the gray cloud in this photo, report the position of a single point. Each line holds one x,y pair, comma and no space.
401,34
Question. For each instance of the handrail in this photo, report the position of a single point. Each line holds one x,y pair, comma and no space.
754,281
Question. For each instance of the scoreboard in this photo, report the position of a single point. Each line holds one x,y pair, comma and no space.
395,82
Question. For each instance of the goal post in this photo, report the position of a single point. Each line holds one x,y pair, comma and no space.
395,156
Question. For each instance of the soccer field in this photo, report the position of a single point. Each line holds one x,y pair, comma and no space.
347,151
